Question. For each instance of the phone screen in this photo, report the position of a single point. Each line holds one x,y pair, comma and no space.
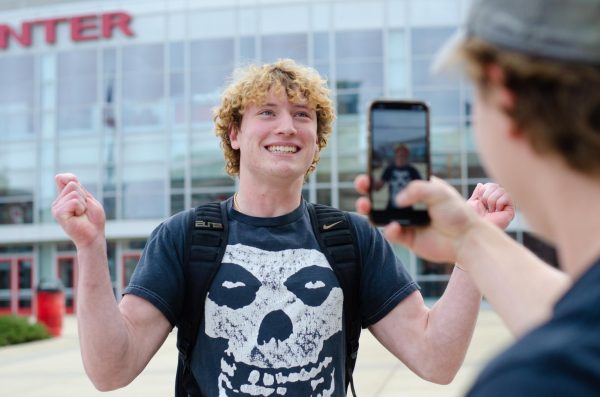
398,154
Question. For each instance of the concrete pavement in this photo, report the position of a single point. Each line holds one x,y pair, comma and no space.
53,368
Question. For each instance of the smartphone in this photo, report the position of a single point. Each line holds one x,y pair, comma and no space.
398,154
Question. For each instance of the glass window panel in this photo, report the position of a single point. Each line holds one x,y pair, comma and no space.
247,48
177,113
176,56
176,85
324,196
77,120
17,156
358,44
78,151
25,270
324,69
16,80
348,167
348,197
77,90
422,75
208,163
143,191
144,117
109,202
428,40
177,175
177,203
211,52
16,124
144,148
444,104
77,63
355,103
16,213
142,86
178,160
209,80
359,74
446,138
323,172
17,94
202,113
446,165
87,175
210,171
293,46
5,284
347,103
321,46
474,167
143,58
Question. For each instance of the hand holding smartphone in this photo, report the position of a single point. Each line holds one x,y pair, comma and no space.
398,154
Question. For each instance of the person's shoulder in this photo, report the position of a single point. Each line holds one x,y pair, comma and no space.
178,221
537,376
361,221
547,360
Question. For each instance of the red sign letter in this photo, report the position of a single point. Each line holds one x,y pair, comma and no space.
50,26
113,20
24,38
79,26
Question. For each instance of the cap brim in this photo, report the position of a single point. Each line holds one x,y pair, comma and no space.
446,60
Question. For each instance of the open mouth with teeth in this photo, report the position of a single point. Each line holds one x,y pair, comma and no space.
283,148
241,379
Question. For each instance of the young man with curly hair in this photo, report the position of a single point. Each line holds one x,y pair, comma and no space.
273,320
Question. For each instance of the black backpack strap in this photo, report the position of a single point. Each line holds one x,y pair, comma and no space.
206,242
333,230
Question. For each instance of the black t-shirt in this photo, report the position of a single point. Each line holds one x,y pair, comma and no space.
397,178
559,358
273,315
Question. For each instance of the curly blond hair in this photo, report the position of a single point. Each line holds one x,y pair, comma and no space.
252,84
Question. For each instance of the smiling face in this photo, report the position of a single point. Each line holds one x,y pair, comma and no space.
276,139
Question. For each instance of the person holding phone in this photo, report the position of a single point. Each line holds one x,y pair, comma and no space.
536,70
273,313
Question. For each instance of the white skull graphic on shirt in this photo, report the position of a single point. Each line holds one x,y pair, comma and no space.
276,310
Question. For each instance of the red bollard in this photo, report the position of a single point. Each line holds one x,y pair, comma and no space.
51,306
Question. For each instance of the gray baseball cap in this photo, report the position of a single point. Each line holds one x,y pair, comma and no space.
564,30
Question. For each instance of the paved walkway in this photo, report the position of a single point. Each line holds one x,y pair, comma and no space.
53,368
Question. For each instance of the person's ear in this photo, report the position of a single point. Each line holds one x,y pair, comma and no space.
233,134
502,96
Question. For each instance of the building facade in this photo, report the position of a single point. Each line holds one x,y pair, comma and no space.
121,94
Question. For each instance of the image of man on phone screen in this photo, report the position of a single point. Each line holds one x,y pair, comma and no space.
397,174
